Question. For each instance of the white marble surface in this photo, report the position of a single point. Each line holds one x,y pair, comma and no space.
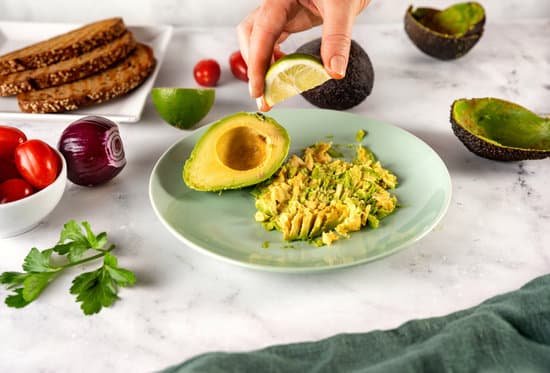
494,238
208,13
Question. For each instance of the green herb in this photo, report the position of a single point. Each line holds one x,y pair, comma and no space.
360,135
95,290
265,245
335,153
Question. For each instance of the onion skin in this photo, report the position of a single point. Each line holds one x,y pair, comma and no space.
93,150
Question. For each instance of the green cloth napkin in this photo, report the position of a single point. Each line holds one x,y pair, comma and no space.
507,333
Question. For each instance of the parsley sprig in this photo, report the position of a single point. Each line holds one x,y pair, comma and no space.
94,290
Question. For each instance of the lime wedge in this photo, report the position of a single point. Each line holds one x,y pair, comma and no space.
182,107
292,75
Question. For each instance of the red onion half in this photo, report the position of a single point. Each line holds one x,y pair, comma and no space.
93,150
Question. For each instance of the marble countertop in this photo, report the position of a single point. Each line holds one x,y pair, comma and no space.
494,238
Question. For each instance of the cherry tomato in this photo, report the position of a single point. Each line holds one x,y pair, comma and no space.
238,66
277,54
207,72
7,170
10,137
37,163
14,189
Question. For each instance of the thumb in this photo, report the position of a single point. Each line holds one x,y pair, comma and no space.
335,45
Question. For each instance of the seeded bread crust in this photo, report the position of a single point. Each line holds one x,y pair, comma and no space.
104,86
62,47
68,71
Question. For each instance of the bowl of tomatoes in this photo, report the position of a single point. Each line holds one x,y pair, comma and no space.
32,181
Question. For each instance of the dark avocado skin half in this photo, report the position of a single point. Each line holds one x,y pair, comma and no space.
440,46
342,94
491,151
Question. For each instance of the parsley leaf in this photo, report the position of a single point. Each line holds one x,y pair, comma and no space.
96,289
99,288
38,261
74,242
35,283
13,280
16,300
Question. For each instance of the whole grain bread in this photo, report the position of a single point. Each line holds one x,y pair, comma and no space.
111,83
62,47
70,70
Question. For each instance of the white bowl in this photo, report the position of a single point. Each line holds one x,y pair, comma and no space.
23,215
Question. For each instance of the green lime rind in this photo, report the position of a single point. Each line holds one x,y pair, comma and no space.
182,107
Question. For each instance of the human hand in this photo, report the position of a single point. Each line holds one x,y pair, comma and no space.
261,33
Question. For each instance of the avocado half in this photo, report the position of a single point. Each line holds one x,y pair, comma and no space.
446,34
500,130
237,151
342,94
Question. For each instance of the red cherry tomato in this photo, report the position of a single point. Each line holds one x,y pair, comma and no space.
277,54
37,163
14,189
7,170
238,66
207,72
10,137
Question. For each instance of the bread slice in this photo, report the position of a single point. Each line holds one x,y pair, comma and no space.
111,83
68,71
62,47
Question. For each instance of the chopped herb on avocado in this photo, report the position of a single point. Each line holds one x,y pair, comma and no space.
360,135
335,153
320,199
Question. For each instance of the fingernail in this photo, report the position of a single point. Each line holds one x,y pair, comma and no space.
337,66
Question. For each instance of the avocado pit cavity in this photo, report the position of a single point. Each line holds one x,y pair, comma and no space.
242,148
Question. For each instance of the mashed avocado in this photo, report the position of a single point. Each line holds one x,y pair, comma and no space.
321,199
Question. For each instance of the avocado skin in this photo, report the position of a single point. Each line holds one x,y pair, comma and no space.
342,94
437,45
491,151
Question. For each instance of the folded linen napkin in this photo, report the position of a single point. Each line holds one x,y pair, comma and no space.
507,333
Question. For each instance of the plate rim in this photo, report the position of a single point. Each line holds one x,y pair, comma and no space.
166,33
301,270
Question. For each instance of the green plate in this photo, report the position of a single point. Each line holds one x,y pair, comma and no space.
223,225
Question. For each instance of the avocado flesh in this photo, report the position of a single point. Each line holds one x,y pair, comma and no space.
321,199
240,150
342,94
500,130
456,20
446,34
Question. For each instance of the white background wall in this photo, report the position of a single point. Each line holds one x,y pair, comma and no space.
228,12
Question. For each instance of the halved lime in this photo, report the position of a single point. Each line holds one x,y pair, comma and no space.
292,75
182,107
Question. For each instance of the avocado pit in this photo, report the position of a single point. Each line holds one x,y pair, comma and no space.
242,148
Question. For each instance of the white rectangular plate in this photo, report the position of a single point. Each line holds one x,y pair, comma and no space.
128,108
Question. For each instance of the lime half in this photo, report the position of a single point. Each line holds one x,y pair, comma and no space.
292,75
183,107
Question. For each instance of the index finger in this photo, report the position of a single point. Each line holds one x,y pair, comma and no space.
268,25
244,29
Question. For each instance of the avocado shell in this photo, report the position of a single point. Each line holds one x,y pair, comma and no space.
345,93
500,130
437,42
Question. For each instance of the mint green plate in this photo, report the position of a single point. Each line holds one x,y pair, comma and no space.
223,225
